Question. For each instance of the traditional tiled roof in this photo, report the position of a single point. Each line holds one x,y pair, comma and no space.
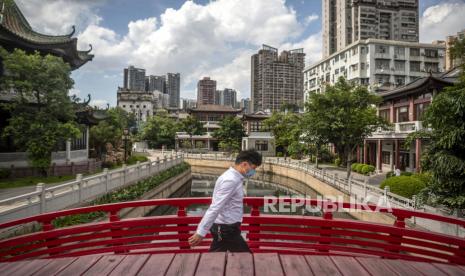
415,86
15,32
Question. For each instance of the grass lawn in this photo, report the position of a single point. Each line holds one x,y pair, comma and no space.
31,181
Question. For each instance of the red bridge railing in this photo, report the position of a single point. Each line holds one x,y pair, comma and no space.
291,234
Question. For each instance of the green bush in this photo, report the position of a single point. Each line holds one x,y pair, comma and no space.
353,166
365,169
5,173
129,193
134,158
406,174
424,177
405,186
337,161
279,154
359,168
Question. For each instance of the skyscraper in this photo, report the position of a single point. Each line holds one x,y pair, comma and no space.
228,97
276,80
206,90
346,21
157,83
173,84
134,78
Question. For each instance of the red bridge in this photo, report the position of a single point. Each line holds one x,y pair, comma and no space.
281,244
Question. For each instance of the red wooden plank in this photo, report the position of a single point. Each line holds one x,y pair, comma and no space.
375,266
322,265
401,267
239,264
295,265
425,268
80,265
267,264
55,266
105,265
450,269
211,264
27,267
157,264
130,265
183,264
349,266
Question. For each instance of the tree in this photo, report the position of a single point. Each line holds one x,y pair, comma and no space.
285,129
230,134
192,126
344,115
160,130
109,130
42,113
444,156
315,132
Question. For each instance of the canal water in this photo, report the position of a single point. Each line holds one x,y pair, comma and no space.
261,185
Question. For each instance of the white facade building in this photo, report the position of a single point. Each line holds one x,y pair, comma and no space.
380,64
142,104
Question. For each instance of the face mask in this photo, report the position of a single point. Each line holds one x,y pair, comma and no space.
250,173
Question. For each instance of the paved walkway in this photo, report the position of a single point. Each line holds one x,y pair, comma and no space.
12,192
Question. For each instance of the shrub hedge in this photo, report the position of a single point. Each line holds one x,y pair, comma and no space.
129,193
362,168
405,186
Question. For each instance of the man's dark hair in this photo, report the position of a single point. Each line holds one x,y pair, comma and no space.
251,156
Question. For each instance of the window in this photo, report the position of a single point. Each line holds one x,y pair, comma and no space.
432,67
399,80
414,52
427,95
261,145
415,66
385,114
382,64
420,111
386,157
399,65
124,106
402,114
399,51
431,53
381,49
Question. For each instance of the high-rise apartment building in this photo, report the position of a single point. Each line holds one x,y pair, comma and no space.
228,97
346,21
134,79
206,90
276,79
157,83
173,84
451,62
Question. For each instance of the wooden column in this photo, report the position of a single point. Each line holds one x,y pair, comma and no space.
397,153
365,152
391,113
379,155
358,154
417,155
411,112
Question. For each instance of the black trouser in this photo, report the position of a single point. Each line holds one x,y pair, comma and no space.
227,237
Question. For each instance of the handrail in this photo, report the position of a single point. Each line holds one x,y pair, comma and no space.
294,234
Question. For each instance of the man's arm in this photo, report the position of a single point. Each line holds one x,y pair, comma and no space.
223,194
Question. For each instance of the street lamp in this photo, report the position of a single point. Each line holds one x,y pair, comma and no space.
125,138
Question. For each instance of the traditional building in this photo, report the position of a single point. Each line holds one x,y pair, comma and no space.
16,33
404,108
258,137
210,115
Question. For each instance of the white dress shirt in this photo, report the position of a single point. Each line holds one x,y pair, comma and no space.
227,202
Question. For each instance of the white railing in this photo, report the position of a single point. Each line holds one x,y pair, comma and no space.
81,190
360,190
407,127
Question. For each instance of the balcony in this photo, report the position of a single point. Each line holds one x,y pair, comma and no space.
408,127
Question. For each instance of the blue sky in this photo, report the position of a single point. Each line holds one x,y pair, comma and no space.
197,38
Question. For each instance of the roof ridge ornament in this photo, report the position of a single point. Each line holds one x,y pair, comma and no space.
88,51
72,32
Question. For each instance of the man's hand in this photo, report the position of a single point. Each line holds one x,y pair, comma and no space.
195,239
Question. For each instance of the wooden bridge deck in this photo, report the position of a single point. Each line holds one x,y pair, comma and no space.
212,264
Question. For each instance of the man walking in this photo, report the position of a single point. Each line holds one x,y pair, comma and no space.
224,216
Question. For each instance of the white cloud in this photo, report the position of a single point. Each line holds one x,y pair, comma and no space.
98,103
441,20
196,40
57,16
309,19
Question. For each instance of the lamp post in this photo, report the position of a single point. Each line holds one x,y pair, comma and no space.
125,138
